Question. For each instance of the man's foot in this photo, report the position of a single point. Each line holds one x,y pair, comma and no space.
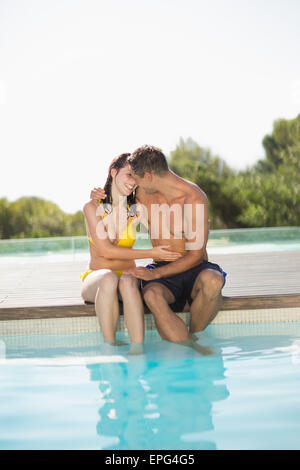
191,343
194,337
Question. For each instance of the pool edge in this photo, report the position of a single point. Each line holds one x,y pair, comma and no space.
86,324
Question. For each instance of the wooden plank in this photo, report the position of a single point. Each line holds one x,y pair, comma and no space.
54,311
64,311
261,302
254,279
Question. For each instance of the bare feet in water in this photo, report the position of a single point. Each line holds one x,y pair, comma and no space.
191,343
136,348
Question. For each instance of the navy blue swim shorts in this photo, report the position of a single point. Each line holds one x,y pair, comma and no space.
181,284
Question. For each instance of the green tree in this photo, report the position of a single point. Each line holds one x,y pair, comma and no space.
75,225
268,194
5,218
266,199
211,174
282,147
33,217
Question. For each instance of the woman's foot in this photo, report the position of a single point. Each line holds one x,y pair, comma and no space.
136,348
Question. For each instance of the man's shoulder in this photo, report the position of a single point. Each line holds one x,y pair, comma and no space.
191,190
194,194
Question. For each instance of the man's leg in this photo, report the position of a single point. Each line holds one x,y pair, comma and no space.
168,324
207,299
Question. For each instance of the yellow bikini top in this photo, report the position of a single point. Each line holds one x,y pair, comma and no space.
128,235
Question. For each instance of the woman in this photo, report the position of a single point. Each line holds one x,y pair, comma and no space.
111,229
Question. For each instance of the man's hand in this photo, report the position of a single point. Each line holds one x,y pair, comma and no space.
143,273
97,194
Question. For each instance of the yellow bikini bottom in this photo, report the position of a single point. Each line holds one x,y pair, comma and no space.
83,275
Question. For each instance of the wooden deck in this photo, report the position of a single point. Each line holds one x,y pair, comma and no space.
52,290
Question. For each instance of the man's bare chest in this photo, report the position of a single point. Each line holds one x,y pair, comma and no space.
164,220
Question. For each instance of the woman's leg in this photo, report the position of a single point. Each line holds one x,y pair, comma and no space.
101,287
133,307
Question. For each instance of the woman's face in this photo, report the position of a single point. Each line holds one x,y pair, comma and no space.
125,180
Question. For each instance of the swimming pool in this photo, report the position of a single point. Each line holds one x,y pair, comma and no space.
74,392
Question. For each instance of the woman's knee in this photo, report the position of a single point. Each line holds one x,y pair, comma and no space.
109,281
88,293
128,283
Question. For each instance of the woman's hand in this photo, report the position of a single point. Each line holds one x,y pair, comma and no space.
97,194
160,253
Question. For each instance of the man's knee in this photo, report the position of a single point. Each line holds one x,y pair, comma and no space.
210,282
152,293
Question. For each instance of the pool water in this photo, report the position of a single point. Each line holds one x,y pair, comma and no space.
74,392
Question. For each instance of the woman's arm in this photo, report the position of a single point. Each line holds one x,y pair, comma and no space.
108,250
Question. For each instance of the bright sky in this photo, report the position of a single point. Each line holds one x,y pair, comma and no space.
82,81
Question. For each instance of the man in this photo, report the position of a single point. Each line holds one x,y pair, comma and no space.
191,282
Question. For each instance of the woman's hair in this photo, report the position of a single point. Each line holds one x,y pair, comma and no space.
117,163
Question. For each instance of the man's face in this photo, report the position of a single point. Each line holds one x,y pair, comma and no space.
146,183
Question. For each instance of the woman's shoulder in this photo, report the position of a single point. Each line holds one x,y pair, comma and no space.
93,208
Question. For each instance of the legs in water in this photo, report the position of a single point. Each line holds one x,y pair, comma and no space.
101,287
169,325
133,310
207,299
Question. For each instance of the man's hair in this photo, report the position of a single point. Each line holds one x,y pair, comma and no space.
148,158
